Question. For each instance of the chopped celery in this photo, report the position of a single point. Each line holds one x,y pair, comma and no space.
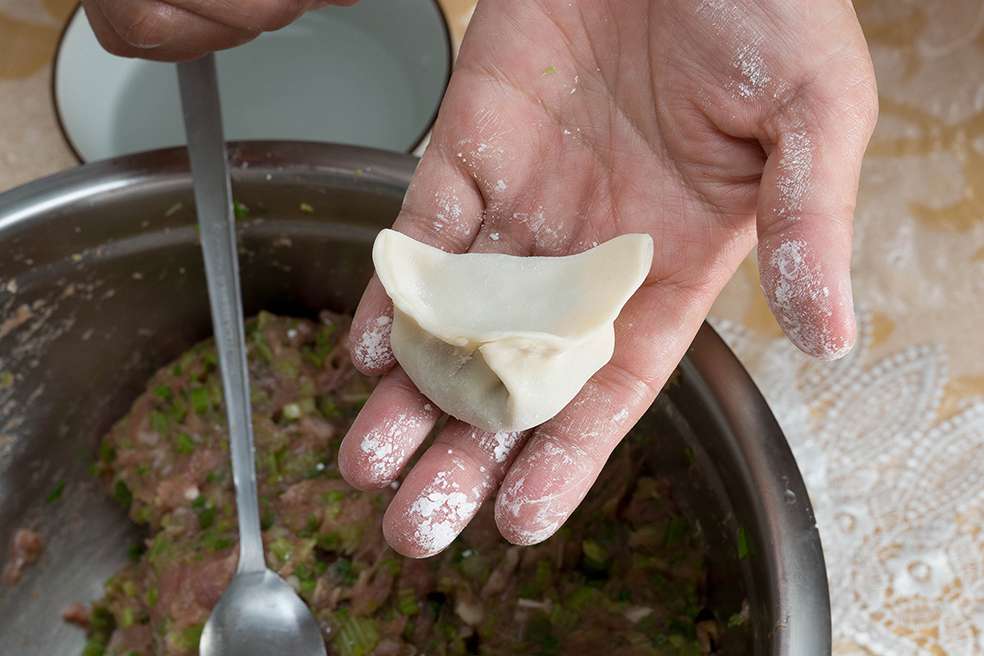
743,550
122,494
158,422
406,602
354,636
56,492
198,396
240,210
184,444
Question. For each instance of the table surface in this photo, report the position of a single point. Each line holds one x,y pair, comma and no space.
891,438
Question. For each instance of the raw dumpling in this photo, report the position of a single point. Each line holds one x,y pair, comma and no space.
504,342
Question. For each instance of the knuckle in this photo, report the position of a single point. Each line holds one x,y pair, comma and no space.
870,105
147,26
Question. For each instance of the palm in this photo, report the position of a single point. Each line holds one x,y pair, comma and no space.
564,126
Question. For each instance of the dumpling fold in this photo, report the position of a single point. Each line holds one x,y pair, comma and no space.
505,342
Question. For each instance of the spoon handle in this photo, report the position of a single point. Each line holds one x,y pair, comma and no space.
213,202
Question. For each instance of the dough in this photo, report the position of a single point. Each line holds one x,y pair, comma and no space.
504,342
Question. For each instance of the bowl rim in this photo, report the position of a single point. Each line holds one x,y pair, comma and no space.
786,533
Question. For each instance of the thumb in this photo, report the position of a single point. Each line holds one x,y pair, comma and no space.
805,213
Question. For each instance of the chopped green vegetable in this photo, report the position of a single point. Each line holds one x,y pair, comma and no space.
107,453
136,550
676,529
261,347
743,550
327,408
56,492
206,516
594,552
307,578
736,620
122,494
240,210
282,550
324,345
158,422
333,497
354,636
177,410
189,638
549,70
159,547
185,444
406,602
344,570
101,620
266,519
310,527
344,539
163,392
198,396
306,208
214,541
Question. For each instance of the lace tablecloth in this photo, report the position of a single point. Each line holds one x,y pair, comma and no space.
890,439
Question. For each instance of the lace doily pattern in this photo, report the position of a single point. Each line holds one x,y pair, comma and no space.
897,492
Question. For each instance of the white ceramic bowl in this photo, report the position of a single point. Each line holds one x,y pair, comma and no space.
371,75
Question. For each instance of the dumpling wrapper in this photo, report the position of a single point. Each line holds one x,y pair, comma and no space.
505,342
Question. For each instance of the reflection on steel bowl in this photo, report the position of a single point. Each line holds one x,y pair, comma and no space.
103,285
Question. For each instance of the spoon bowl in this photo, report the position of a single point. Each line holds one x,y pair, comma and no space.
258,615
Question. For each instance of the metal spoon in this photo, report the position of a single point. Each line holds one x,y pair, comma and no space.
259,614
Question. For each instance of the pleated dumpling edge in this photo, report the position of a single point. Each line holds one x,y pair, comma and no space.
500,341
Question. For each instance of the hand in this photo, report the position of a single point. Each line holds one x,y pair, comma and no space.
182,30
709,124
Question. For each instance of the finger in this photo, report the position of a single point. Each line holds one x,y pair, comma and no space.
395,420
154,30
370,334
805,213
442,208
446,487
373,320
565,455
252,15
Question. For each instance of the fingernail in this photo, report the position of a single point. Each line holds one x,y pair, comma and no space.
541,491
814,309
436,517
373,351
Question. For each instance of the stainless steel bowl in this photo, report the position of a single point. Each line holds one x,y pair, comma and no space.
101,283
